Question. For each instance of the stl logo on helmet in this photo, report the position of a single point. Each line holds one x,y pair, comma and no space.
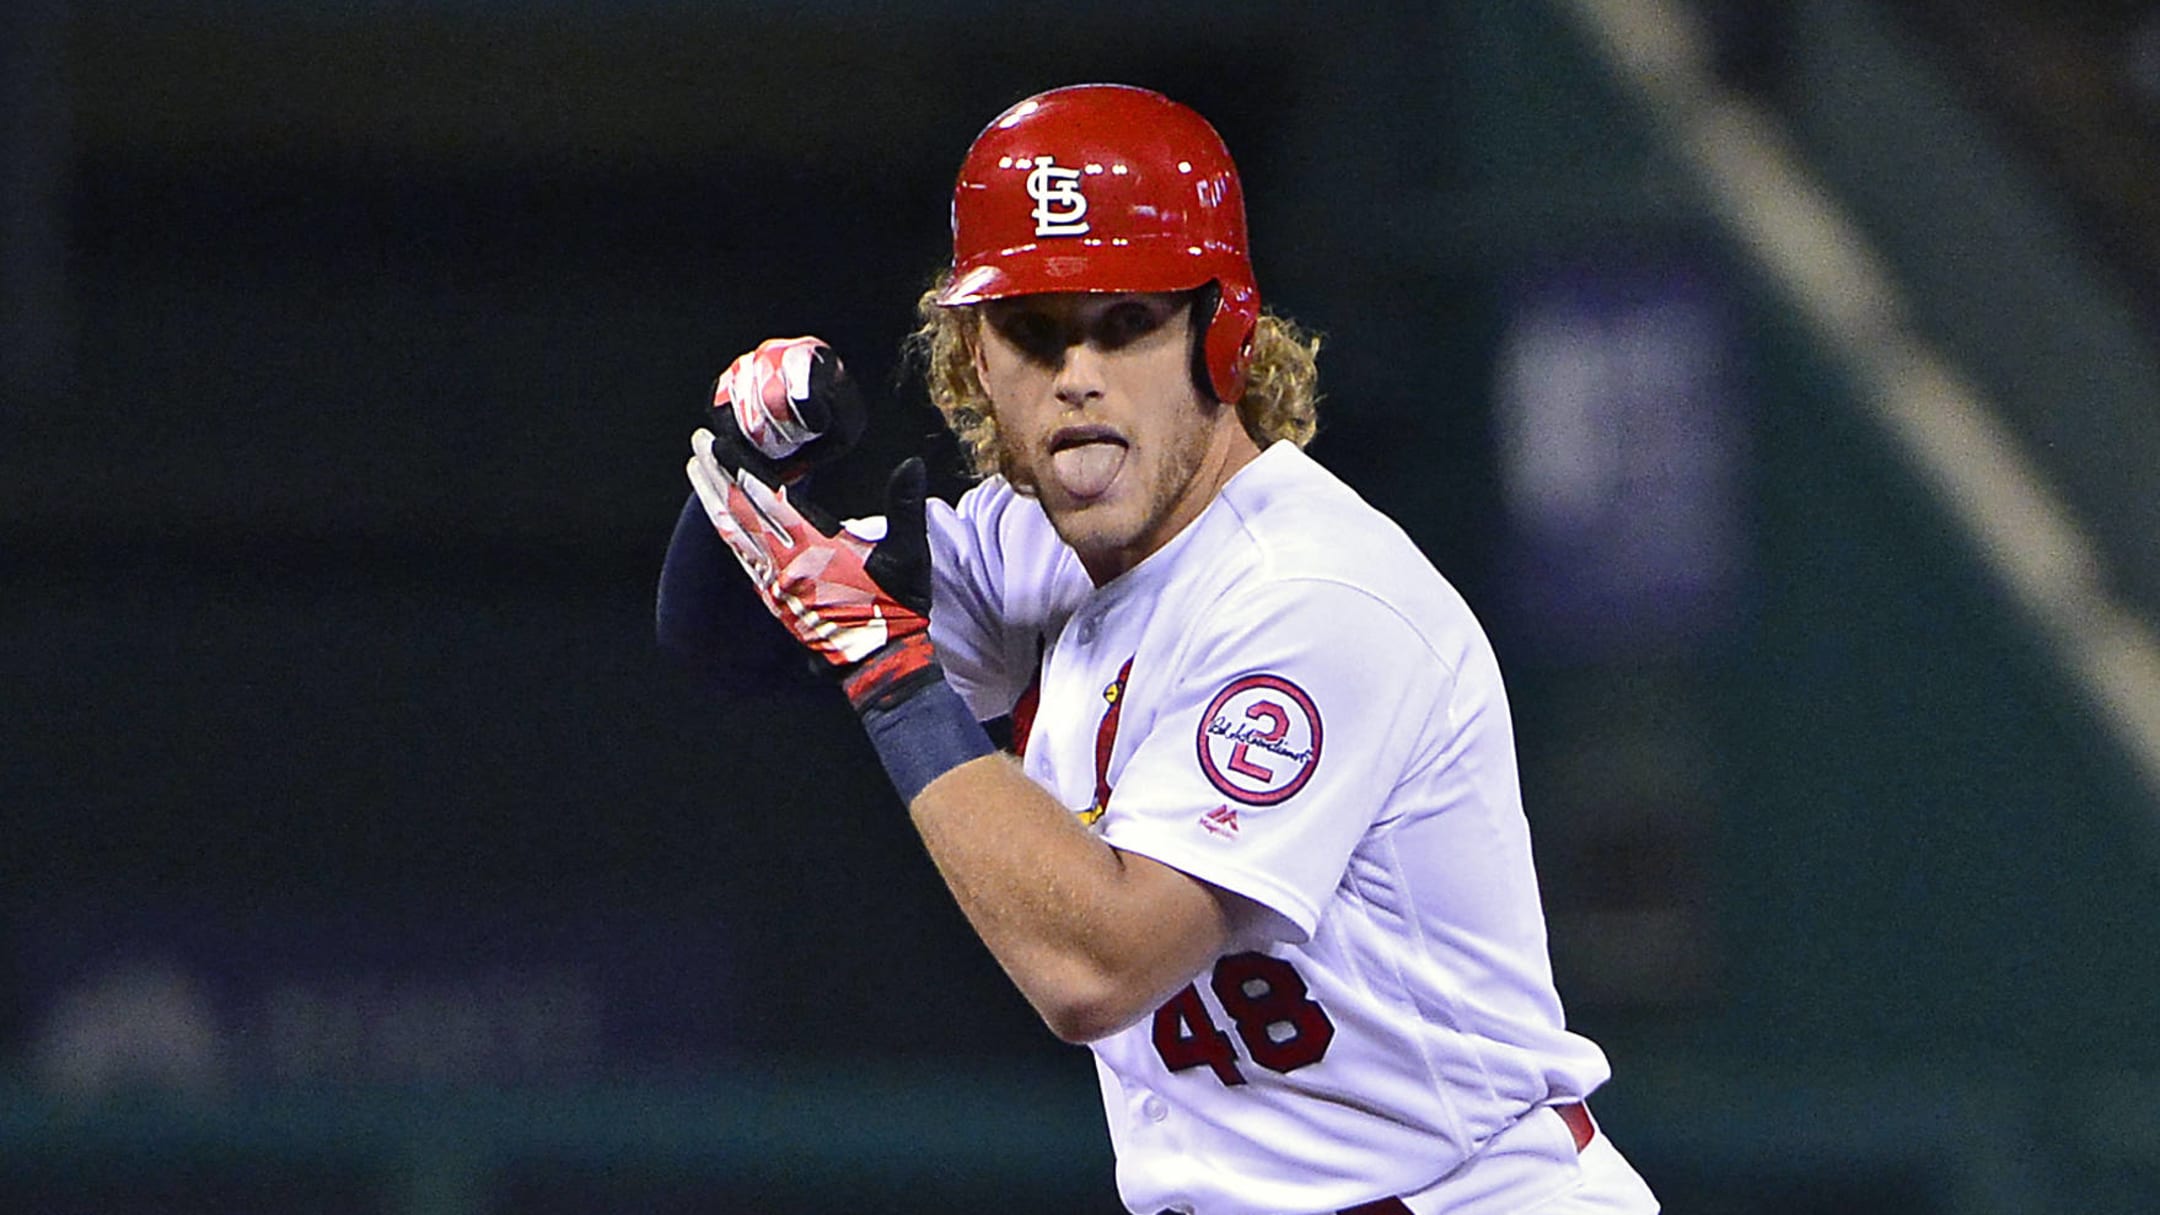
1060,207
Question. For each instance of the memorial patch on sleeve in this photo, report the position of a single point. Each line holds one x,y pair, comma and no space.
1259,740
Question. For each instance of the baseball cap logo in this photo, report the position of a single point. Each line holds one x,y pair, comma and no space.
1060,207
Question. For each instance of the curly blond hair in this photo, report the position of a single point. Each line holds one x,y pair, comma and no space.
1280,400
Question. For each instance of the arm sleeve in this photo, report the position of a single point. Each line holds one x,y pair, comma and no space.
1295,711
707,616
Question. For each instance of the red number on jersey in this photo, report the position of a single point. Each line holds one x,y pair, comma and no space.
1264,996
1185,1037
1282,1027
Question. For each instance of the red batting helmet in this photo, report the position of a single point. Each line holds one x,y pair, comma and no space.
1106,187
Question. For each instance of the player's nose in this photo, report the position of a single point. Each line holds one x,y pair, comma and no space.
1079,376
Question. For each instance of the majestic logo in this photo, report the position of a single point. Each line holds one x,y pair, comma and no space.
1222,821
1060,207
1259,740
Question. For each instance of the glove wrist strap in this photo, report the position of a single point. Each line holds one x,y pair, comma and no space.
925,735
891,675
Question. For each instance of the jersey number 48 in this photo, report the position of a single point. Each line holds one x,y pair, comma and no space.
1281,1026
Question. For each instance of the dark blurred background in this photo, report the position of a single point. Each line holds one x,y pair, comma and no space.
360,853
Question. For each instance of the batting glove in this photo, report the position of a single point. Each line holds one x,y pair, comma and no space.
856,594
784,408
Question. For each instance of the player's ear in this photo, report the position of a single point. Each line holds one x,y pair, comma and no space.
972,335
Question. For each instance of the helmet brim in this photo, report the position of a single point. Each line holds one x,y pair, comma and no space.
1105,267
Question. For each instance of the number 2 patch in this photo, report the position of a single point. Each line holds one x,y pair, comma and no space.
1260,739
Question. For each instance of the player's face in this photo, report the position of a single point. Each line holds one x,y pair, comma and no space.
1099,418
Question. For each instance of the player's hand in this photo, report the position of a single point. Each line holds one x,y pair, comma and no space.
856,594
784,408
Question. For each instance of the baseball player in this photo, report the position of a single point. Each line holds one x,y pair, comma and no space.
1262,847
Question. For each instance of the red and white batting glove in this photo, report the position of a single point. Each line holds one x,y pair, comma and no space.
857,594
784,407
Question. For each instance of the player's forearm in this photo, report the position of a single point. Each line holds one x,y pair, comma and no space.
1094,938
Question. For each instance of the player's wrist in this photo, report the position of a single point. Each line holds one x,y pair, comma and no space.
924,734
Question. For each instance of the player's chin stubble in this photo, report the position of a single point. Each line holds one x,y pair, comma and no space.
1112,527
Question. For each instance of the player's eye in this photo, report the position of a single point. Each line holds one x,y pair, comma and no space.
1037,335
1127,322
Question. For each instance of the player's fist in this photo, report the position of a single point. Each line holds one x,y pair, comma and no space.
784,408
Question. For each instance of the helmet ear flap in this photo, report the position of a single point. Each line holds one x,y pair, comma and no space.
1223,321
1206,298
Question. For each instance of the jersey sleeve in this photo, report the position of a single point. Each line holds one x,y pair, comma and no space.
1002,581
1295,711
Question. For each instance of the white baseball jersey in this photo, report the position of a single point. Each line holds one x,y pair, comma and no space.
1288,702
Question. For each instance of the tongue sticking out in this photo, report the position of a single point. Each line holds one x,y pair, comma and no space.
1086,471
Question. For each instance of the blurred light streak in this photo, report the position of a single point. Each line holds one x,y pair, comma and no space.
1941,424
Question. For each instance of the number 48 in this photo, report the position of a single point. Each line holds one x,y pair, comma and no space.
1265,997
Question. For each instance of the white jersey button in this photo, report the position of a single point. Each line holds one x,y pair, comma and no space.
1155,1108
